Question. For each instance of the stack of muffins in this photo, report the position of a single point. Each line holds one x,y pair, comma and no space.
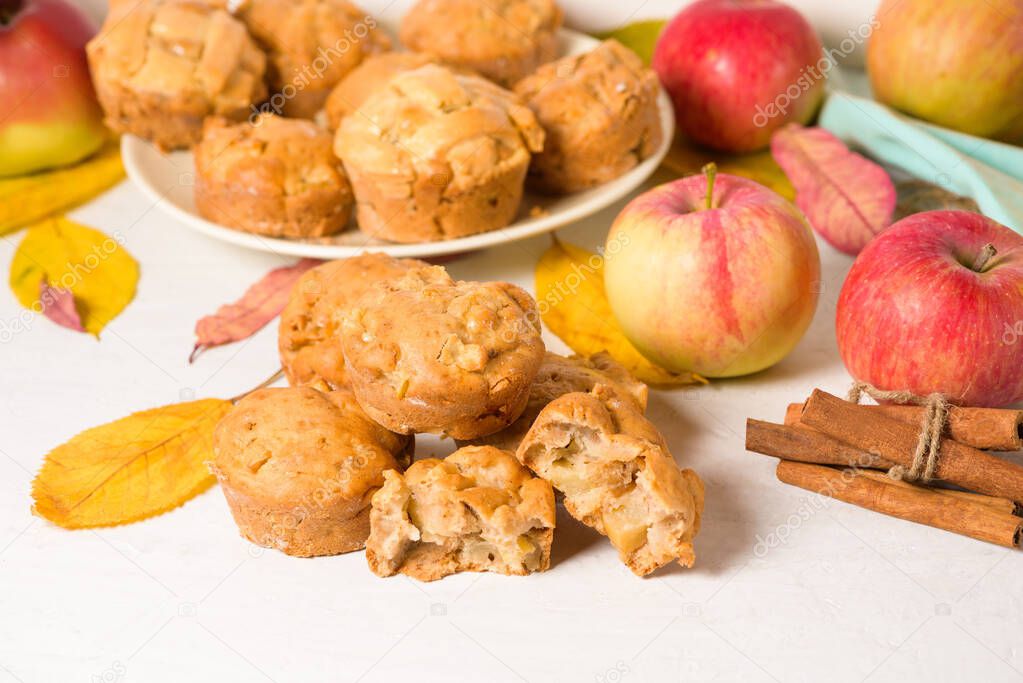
378,350
300,114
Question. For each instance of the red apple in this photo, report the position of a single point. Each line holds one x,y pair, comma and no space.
925,309
719,276
51,116
737,70
958,64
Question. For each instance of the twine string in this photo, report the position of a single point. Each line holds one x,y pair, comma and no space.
928,448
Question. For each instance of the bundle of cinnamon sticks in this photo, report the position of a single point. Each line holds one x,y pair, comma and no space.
840,449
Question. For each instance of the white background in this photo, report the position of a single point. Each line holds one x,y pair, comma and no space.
849,596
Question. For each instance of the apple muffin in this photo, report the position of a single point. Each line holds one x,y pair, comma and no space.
501,39
560,375
599,110
273,176
299,468
373,73
477,510
309,337
312,45
426,353
617,476
436,155
160,67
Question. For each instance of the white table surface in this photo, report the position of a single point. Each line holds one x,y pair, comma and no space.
848,596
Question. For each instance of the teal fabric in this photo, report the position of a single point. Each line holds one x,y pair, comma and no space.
989,172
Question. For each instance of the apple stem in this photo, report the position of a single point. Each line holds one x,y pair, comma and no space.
711,171
986,254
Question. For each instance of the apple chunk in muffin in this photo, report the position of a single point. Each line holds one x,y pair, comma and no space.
476,510
617,476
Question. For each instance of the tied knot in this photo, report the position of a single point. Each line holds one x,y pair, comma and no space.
932,426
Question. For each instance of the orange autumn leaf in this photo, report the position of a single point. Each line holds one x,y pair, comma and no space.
130,469
573,304
261,303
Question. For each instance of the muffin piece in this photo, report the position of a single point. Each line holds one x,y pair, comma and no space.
477,510
299,467
618,477
436,155
161,66
312,45
558,376
309,338
600,113
274,176
501,39
372,74
425,353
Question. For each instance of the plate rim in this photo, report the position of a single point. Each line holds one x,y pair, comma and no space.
133,147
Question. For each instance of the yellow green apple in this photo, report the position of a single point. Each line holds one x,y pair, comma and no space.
714,275
956,63
51,116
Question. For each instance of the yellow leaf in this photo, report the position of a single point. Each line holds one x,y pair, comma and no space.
29,199
639,36
97,269
685,159
570,291
136,467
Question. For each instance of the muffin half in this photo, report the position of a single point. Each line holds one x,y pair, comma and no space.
476,510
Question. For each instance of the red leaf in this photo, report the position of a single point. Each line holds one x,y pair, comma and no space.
846,197
59,306
261,303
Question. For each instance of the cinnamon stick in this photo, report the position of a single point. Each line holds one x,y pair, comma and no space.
803,444
992,429
999,505
895,440
911,503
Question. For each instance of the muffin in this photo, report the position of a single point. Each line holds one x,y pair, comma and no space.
501,39
274,176
373,73
160,67
618,477
477,510
600,113
312,45
436,155
299,468
558,376
309,337
425,353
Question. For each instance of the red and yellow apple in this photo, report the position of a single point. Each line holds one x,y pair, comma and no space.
51,116
956,63
737,70
929,307
718,276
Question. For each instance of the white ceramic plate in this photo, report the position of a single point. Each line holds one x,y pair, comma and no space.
168,179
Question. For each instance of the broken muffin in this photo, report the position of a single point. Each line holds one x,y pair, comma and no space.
477,510
298,468
617,476
560,375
